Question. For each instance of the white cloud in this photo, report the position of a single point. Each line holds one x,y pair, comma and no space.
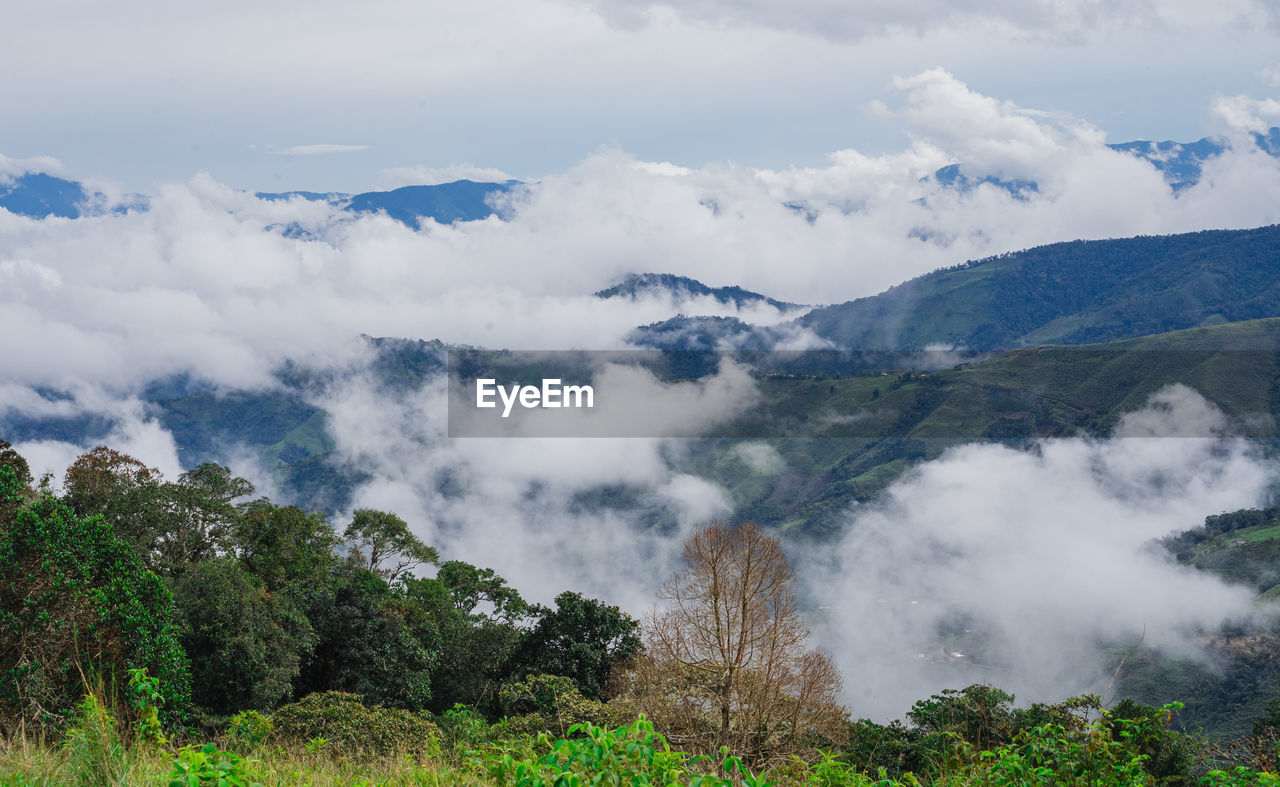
1041,557
11,168
1245,113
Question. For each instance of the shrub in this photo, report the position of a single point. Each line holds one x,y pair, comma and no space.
352,728
197,766
547,703
249,729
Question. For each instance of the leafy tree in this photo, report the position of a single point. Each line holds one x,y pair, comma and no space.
477,617
1168,755
368,643
582,639
467,588
13,460
547,703
202,515
378,538
22,473
246,646
76,600
285,546
124,491
172,525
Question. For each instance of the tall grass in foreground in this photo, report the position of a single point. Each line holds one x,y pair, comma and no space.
1106,753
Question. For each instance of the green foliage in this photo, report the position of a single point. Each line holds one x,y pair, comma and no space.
351,727
13,460
171,525
73,595
1069,293
632,755
146,699
95,753
246,645
1168,755
208,766
370,642
249,729
285,546
582,639
1270,720
473,616
547,703
464,731
1054,755
466,587
381,543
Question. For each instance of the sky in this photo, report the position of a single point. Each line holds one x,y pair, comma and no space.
329,95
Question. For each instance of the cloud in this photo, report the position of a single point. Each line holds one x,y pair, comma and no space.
11,168
216,282
320,149
1029,564
1069,20
1245,113
395,177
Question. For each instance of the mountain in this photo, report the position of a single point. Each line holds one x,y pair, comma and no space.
1179,162
845,439
637,285
38,195
461,200
1069,293
336,197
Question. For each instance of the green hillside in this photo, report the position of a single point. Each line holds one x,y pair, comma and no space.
846,439
1070,293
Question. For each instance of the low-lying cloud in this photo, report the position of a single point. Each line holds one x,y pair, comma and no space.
1017,568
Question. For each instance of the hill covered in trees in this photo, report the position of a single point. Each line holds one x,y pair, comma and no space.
1069,293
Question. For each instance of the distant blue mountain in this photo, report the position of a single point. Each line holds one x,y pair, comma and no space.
335,197
1179,162
637,284
952,177
461,200
38,195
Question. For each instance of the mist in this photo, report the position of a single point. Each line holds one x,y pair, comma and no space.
1022,568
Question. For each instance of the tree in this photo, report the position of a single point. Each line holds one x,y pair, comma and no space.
22,475
77,604
726,660
479,618
377,537
172,525
285,547
246,646
368,643
582,639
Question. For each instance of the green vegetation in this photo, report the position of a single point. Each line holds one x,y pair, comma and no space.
183,633
1069,293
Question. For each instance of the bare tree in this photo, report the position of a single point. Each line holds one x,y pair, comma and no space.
726,660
